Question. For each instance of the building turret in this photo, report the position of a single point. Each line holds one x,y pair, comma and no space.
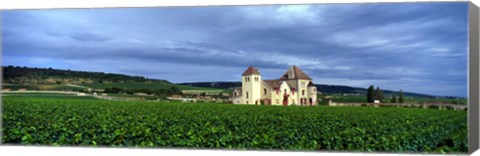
251,84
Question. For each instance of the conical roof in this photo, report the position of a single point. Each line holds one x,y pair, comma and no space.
251,71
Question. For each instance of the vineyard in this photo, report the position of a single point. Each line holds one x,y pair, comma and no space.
63,121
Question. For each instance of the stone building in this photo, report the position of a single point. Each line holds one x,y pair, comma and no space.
292,88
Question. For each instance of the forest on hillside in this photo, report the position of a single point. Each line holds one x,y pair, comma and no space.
27,75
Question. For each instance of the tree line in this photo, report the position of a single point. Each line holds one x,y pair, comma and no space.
17,74
377,94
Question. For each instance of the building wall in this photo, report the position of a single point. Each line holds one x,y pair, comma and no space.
293,98
313,94
251,89
284,88
274,96
302,90
237,100
265,92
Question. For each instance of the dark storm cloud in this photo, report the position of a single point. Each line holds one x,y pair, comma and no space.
392,45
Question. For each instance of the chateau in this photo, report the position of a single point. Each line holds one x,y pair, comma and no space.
293,88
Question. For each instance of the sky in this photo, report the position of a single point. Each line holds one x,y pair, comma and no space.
417,47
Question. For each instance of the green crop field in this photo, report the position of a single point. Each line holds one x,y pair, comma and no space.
30,94
149,85
44,120
128,85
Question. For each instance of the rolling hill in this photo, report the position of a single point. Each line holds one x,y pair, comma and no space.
28,75
15,78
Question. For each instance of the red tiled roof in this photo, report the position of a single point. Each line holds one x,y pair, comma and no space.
251,71
298,74
272,83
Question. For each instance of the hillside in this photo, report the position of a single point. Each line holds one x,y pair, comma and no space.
223,85
15,78
326,89
27,75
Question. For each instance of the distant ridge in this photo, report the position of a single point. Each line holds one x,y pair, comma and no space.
29,75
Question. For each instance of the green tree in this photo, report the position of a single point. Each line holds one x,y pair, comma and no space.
400,97
113,90
379,94
394,99
371,94
174,91
382,97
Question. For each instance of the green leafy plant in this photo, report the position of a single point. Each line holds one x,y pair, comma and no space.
63,121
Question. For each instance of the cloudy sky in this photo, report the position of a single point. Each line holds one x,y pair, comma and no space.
417,47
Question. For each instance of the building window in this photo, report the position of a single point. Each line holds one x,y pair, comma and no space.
246,95
314,90
284,91
235,95
303,92
303,84
264,91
